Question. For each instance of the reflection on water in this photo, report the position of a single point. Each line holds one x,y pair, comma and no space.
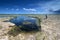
27,23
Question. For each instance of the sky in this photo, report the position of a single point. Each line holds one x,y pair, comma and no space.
29,6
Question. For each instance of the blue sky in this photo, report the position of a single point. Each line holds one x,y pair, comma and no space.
29,6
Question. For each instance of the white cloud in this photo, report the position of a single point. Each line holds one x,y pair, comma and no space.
30,9
17,9
7,8
52,5
12,9
55,5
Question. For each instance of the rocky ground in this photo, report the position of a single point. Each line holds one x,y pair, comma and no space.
50,30
52,27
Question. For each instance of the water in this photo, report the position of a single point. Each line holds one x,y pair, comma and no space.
19,20
27,23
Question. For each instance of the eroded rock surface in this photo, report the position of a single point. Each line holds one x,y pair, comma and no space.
52,27
50,30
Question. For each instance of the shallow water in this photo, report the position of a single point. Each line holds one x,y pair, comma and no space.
27,23
19,20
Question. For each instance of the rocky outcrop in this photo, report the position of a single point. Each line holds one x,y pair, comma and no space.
4,28
50,30
52,26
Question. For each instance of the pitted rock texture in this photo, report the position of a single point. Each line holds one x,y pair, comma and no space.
52,27
50,30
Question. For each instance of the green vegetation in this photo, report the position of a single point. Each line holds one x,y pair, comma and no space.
0,27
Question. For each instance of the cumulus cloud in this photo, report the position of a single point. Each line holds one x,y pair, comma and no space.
56,11
7,8
41,6
50,6
17,9
12,9
30,9
55,5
